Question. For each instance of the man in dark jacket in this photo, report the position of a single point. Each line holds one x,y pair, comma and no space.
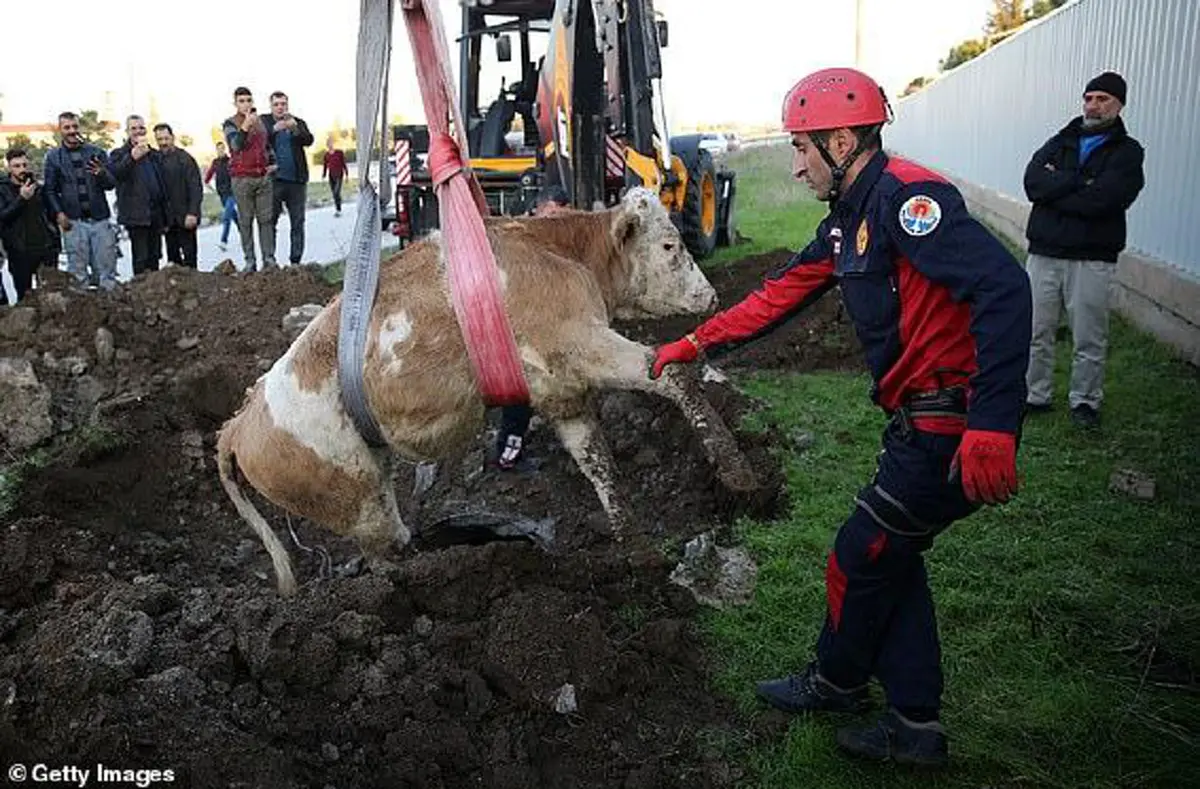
181,176
287,137
77,176
141,195
1081,183
25,227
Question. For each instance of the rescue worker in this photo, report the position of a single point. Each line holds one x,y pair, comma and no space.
943,313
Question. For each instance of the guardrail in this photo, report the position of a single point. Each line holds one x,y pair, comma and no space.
766,139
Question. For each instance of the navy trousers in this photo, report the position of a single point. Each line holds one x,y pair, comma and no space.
880,619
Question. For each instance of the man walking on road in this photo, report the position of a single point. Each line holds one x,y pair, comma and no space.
1081,183
287,138
219,169
251,165
333,166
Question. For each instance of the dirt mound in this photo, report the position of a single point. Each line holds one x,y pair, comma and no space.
139,626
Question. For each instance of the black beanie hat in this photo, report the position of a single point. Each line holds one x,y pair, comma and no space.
1111,83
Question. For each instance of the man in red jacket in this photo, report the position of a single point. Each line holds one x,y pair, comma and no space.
334,166
943,313
251,164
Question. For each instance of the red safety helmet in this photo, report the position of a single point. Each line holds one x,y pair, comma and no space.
834,98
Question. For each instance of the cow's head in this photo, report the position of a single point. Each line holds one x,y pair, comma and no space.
663,279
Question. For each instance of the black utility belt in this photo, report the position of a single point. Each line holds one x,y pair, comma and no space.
940,402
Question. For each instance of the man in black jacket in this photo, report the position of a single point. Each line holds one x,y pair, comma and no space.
141,195
1081,183
25,227
288,136
181,177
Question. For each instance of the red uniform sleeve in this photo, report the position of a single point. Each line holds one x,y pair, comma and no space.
783,294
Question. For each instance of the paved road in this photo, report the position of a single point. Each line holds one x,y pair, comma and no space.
326,240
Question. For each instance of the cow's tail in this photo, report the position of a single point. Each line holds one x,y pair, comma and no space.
227,467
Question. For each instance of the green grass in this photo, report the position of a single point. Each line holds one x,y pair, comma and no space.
13,475
87,443
771,209
1070,619
319,195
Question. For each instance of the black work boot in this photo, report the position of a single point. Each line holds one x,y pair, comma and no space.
1085,417
810,692
897,738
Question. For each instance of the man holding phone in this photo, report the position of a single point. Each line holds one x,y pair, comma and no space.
29,238
287,137
141,195
251,166
77,176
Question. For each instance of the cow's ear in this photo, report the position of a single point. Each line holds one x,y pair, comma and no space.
628,221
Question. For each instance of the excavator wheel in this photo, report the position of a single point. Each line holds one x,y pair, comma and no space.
700,209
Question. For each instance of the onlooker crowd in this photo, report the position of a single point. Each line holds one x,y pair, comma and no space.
260,171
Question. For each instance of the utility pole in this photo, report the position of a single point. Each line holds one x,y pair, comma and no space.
858,18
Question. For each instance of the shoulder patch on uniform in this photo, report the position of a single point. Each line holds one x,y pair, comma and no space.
862,238
919,215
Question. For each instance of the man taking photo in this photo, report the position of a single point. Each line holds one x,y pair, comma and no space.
25,227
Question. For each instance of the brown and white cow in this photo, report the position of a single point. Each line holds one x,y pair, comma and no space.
563,278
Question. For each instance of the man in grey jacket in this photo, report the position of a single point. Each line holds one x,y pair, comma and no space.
77,176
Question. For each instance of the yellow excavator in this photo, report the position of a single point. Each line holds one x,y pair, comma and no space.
586,117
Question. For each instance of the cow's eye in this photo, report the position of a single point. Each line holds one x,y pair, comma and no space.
670,247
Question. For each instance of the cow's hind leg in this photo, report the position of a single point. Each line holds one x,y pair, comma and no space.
582,437
624,364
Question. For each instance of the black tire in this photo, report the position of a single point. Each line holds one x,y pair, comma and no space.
701,212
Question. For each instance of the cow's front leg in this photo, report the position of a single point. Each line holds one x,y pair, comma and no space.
624,364
582,437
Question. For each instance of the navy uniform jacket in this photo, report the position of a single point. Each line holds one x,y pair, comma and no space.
935,299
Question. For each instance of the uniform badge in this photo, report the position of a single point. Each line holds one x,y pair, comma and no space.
919,215
862,239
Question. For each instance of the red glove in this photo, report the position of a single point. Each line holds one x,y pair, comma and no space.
988,461
683,350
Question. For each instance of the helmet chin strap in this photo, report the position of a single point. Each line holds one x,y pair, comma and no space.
838,171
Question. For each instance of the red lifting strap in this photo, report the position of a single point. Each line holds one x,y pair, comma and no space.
470,264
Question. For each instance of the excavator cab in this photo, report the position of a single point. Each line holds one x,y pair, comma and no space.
578,107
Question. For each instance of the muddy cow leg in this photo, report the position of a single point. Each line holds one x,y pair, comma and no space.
380,529
582,437
624,364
